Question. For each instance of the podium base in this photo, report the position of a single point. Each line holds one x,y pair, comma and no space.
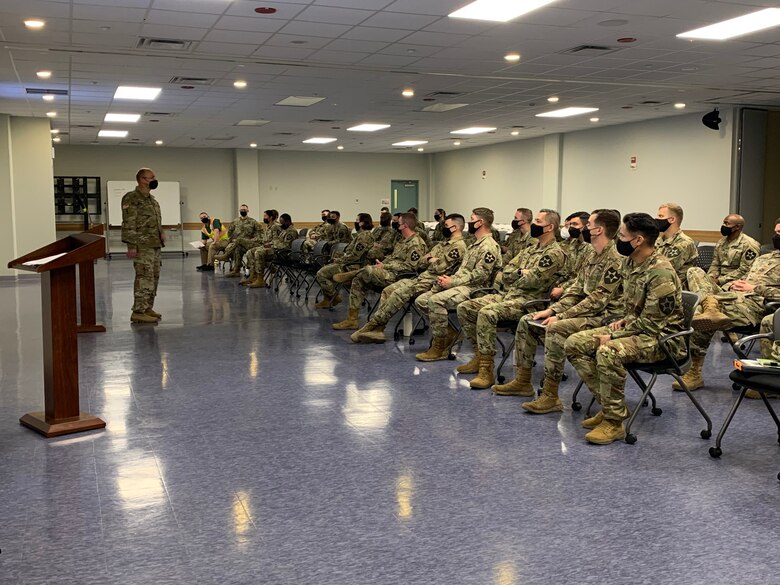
95,328
65,426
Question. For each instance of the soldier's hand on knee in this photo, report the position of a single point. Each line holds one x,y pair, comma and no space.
602,339
551,320
617,325
542,314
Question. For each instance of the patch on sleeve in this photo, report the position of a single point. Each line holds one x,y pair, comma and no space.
545,262
673,253
415,256
750,255
667,304
489,258
611,276
360,247
454,254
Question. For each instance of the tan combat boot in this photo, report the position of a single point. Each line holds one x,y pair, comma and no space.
487,373
153,313
258,282
607,432
692,377
710,318
439,350
547,402
351,322
343,277
594,421
142,318
451,335
520,386
371,332
235,273
325,303
248,280
754,395
471,367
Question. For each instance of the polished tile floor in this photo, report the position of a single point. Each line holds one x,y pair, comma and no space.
249,443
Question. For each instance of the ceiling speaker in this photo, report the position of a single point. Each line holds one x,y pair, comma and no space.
712,120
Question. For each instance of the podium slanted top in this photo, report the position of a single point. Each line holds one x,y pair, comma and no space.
70,250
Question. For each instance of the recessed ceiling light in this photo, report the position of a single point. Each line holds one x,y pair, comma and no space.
122,118
515,133
34,23
742,25
158,142
54,131
566,112
473,130
512,57
239,84
679,106
553,99
368,127
498,10
456,143
253,145
421,149
43,74
128,92
51,114
112,133
408,93
410,143
265,10
340,147
320,140
56,139
48,97
594,119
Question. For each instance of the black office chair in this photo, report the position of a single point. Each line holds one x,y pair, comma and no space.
706,253
671,366
761,383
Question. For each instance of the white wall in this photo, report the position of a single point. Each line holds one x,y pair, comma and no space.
678,160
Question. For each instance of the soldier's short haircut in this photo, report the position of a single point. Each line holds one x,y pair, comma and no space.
385,219
552,217
609,220
243,205
336,213
777,221
141,172
583,215
642,224
410,219
413,210
324,211
272,213
443,213
384,209
737,219
202,213
286,217
365,218
675,210
526,214
458,219
485,214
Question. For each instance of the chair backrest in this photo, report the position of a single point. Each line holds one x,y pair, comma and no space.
776,325
321,248
302,232
338,249
706,252
297,245
690,300
766,248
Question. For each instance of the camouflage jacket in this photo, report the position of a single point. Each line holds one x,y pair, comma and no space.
438,235
271,232
356,250
732,260
597,290
284,240
244,227
423,233
576,251
141,220
542,269
449,254
681,252
384,240
482,260
315,232
341,233
516,242
653,300
765,275
408,255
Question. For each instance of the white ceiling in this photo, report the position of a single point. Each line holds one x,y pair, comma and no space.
359,55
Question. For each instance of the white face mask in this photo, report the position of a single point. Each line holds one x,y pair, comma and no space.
565,233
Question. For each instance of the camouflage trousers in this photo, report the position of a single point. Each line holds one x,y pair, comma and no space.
554,336
240,246
257,258
216,248
479,319
325,277
435,304
602,368
699,282
147,275
365,279
396,295
741,308
767,326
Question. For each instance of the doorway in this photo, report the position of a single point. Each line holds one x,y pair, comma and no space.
403,195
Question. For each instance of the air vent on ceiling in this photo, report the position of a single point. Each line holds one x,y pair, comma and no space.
179,80
38,91
285,134
324,121
177,45
83,126
159,114
280,145
589,50
443,94
651,103
219,138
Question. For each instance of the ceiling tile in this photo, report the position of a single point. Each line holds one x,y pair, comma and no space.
322,14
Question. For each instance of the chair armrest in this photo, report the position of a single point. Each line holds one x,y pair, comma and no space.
748,338
663,342
533,302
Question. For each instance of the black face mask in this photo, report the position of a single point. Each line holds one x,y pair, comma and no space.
536,230
437,217
331,220
284,226
624,248
663,225
446,232
357,226
243,213
205,220
574,233
473,227
726,231
324,218
153,184
586,235
266,220
776,241
515,224
396,226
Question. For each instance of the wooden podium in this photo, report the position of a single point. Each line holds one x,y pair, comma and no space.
56,264
87,290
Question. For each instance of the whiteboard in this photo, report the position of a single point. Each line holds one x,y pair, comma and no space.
167,195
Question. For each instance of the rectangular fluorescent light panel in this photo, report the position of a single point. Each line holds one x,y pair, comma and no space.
122,118
299,101
438,108
368,127
252,122
410,143
566,112
319,140
742,25
112,133
128,92
498,10
473,130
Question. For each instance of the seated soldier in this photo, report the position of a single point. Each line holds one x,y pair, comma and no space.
575,248
220,236
314,234
339,232
350,262
652,298
408,255
384,238
520,238
542,268
270,233
439,216
595,294
420,229
285,236
482,259
206,238
443,259
673,243
741,306
244,234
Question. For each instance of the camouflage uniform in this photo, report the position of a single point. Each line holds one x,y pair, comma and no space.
576,252
142,230
313,235
681,252
438,232
471,238
745,308
480,263
653,308
341,234
244,234
516,242
595,294
408,255
353,258
541,270
276,239
384,241
422,231
730,261
448,254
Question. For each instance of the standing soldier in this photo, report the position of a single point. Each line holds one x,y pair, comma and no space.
673,243
142,232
